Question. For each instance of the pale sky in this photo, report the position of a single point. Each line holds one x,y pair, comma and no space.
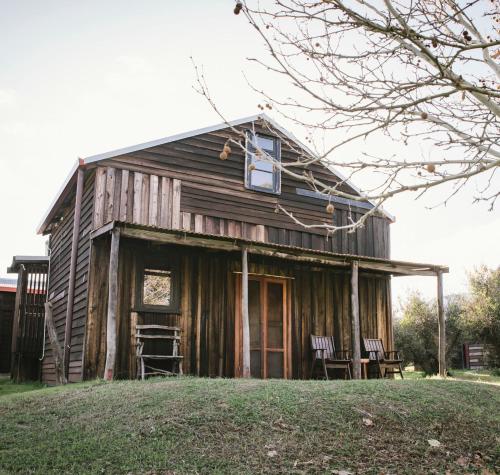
79,78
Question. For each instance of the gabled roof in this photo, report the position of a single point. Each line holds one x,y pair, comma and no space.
71,178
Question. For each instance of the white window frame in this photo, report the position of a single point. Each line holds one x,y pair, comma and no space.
276,190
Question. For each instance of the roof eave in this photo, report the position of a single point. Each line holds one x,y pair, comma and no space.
59,198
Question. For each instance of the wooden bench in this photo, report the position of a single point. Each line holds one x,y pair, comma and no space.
324,353
386,362
145,333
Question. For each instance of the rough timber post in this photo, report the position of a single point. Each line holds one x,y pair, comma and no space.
72,269
22,283
442,326
244,314
356,348
112,305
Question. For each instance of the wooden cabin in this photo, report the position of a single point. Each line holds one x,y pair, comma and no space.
161,233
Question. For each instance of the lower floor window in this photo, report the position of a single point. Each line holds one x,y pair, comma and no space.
157,287
157,284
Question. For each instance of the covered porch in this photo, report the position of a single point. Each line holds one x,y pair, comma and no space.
243,307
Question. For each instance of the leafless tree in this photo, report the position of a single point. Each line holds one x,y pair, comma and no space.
416,72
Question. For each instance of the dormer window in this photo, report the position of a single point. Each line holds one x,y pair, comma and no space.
261,173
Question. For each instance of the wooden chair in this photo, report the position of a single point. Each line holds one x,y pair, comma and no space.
323,352
145,333
386,362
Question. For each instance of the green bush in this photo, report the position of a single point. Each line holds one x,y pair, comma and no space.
416,333
474,317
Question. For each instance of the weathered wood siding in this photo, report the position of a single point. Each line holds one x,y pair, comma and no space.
184,185
319,295
60,246
7,304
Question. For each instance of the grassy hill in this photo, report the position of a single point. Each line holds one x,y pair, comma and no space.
234,426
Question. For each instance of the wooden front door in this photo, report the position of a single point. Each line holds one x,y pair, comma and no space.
268,310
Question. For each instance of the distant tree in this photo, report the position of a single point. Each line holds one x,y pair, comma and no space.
481,315
412,72
416,333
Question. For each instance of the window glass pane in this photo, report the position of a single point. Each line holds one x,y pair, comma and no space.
265,143
254,312
263,165
262,179
157,287
275,315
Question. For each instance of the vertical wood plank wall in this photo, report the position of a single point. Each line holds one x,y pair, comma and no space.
170,203
320,304
7,306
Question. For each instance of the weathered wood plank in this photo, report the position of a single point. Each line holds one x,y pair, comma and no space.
245,322
356,345
198,223
111,340
153,201
145,199
186,221
110,193
124,196
136,214
442,326
176,204
166,203
100,197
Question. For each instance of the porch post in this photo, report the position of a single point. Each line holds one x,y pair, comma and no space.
442,325
244,314
112,305
356,349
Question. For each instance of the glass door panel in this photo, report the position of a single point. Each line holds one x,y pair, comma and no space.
275,351
255,317
268,326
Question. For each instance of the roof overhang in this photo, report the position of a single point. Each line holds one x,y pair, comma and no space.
280,251
17,261
71,178
61,195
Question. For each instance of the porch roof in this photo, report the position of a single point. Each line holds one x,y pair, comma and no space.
17,261
281,251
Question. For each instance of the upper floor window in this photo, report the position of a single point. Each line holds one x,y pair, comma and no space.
261,173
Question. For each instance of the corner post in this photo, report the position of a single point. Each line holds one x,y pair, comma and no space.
356,347
15,363
72,269
112,305
442,325
244,314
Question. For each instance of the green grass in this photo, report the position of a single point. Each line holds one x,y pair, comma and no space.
8,387
484,375
480,376
190,425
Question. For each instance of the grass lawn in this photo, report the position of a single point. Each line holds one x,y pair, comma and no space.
8,387
482,376
191,425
